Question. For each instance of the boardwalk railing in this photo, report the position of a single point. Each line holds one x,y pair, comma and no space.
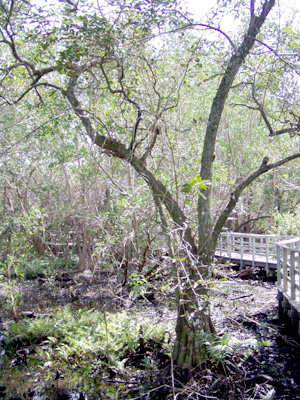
249,249
288,280
276,254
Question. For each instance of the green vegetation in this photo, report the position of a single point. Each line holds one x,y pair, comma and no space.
86,346
130,137
288,223
44,267
226,347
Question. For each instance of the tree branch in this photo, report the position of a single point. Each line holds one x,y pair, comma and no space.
30,133
252,3
279,56
285,130
260,108
119,150
156,132
234,197
251,220
216,112
193,25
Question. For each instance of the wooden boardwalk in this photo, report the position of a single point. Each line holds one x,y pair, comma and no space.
247,260
277,255
249,250
288,282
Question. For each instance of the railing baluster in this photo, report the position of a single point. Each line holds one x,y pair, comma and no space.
252,249
267,255
278,254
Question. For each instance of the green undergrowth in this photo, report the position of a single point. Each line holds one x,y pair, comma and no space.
220,349
33,269
79,348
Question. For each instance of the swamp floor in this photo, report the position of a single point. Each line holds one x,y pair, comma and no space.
245,309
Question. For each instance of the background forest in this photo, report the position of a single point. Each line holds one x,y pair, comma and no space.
106,156
58,189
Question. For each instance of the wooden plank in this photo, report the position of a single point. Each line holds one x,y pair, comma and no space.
247,258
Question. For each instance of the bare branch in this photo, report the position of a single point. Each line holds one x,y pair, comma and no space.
30,133
152,144
15,123
291,130
286,130
251,220
244,105
261,110
136,125
122,91
252,9
234,197
192,26
123,191
279,56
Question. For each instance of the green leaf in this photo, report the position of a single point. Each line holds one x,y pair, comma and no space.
196,181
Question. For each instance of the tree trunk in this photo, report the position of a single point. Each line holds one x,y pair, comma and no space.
81,247
193,318
193,307
205,229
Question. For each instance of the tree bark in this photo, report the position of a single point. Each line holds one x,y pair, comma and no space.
193,318
193,314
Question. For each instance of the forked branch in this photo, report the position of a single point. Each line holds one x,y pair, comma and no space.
235,195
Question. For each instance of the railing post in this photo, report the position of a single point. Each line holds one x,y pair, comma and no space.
284,270
229,245
218,247
292,274
253,239
298,271
223,245
278,256
267,254
242,251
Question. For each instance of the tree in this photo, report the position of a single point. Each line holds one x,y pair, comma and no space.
101,67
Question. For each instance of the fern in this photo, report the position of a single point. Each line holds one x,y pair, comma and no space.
220,349
269,395
83,335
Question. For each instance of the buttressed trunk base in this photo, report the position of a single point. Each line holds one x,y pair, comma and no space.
193,322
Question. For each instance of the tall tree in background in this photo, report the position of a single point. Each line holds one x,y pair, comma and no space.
94,60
